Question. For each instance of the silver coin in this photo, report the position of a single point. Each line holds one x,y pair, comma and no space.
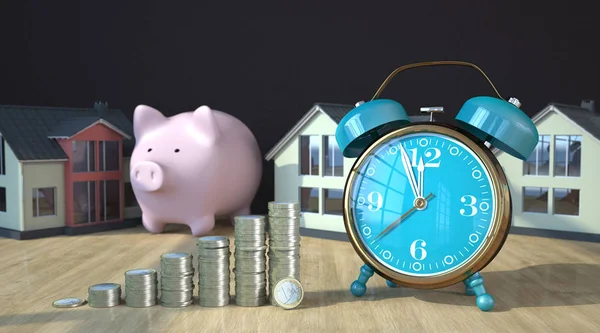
251,302
176,305
293,205
70,302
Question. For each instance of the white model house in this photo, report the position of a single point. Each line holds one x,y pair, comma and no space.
310,168
555,189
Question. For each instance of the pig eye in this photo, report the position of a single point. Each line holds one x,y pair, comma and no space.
177,150
149,149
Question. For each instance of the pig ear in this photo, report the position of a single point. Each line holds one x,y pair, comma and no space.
205,122
145,118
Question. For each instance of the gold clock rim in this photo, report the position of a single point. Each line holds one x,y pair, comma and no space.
492,244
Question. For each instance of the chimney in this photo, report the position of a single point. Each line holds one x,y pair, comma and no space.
101,108
589,104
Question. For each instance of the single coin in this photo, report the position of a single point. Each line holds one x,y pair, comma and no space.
70,302
288,293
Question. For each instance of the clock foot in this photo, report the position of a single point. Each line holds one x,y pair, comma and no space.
469,291
391,284
359,287
474,284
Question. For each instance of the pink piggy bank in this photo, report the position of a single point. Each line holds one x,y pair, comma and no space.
191,167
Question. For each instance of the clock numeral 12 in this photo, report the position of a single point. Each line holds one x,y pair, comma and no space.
432,156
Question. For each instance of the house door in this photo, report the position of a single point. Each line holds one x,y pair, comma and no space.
96,201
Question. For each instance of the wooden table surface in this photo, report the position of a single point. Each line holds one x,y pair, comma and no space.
540,285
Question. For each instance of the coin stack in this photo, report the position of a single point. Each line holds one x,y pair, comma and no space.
213,271
250,261
141,288
104,295
284,242
176,280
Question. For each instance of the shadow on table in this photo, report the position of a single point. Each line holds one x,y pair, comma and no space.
534,286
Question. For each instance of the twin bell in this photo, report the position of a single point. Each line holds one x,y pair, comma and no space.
496,121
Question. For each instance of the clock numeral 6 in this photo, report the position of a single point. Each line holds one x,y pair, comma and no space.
470,201
375,200
417,249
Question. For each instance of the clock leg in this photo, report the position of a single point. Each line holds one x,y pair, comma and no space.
359,287
474,284
391,284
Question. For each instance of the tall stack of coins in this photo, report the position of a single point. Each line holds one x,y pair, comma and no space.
284,242
104,295
176,280
213,271
250,261
141,288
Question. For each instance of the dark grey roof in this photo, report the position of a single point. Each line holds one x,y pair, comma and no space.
335,111
26,128
587,119
69,127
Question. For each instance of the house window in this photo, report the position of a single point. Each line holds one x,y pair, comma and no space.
566,201
2,157
83,157
110,200
333,161
539,161
109,154
84,202
535,200
309,199
567,155
3,199
130,199
309,155
332,201
43,203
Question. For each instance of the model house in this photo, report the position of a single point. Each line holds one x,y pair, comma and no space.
310,168
64,170
554,191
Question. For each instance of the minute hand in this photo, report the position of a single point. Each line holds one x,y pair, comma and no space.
398,221
410,174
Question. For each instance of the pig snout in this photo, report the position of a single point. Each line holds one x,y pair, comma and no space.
147,176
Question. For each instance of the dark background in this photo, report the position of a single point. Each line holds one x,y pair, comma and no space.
267,63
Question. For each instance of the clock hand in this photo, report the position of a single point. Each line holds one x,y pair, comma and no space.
421,170
400,220
409,171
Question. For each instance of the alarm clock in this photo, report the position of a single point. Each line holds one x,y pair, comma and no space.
427,205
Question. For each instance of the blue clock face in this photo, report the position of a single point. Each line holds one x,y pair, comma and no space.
422,204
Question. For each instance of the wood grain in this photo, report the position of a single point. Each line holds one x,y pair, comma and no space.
540,285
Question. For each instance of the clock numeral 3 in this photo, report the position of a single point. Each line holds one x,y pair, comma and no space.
417,249
375,200
432,156
470,201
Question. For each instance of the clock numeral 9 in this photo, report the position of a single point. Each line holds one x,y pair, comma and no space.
375,200
417,249
470,201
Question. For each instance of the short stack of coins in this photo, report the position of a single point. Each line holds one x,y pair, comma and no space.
176,280
213,271
141,288
284,242
104,295
250,261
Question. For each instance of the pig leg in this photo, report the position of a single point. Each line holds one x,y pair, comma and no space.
152,225
202,226
241,212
